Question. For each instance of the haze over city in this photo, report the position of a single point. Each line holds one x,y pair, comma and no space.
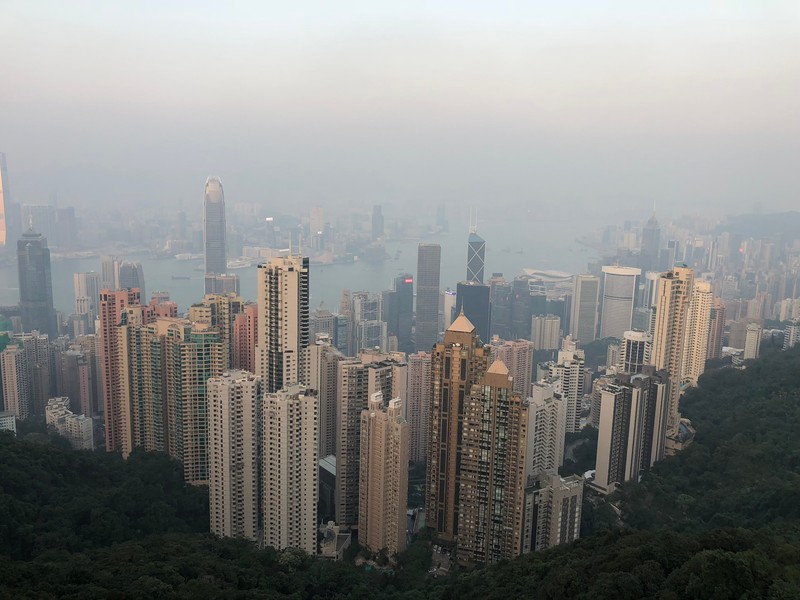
406,301
604,107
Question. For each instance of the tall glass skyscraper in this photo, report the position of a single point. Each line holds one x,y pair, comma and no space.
35,284
214,226
429,260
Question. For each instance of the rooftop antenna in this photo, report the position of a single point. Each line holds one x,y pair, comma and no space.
473,220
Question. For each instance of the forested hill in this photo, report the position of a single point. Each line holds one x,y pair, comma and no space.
720,520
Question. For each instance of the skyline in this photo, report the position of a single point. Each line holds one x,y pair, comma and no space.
684,104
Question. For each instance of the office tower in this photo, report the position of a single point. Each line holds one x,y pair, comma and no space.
585,302
698,324
74,380
289,469
143,381
42,218
517,355
500,298
457,363
476,253
632,429
87,294
35,285
316,220
669,331
245,334
66,228
15,381
716,327
377,222
193,355
473,300
398,312
546,332
650,289
222,283
322,321
635,351
282,347
429,258
383,476
109,273
418,404
235,413
492,479
78,429
651,242
214,227
5,200
323,362
219,311
521,308
367,329
357,379
619,291
569,371
447,308
547,428
791,334
552,511
131,275
752,341
112,305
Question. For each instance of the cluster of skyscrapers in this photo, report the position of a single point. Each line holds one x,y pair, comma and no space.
298,419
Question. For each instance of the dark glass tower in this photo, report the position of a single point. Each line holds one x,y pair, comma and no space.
35,284
476,253
473,299
214,227
131,276
398,311
429,259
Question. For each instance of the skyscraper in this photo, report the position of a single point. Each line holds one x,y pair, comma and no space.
283,322
476,252
569,371
383,476
698,325
35,284
214,227
635,351
651,240
669,333
715,329
752,341
632,428
289,478
473,299
491,485
517,355
547,422
219,311
418,404
359,378
585,304
323,361
112,305
131,275
398,311
619,291
87,294
235,411
377,222
429,258
457,363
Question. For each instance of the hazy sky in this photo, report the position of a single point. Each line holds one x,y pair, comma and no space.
554,105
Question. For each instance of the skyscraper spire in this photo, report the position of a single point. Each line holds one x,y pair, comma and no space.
214,227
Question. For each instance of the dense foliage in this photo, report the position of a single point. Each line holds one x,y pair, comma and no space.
743,468
720,520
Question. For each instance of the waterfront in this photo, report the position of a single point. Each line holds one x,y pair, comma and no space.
527,242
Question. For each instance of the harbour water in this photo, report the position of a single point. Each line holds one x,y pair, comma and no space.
526,242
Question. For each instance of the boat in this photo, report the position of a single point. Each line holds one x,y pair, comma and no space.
181,277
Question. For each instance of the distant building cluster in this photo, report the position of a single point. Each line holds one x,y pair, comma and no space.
303,423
